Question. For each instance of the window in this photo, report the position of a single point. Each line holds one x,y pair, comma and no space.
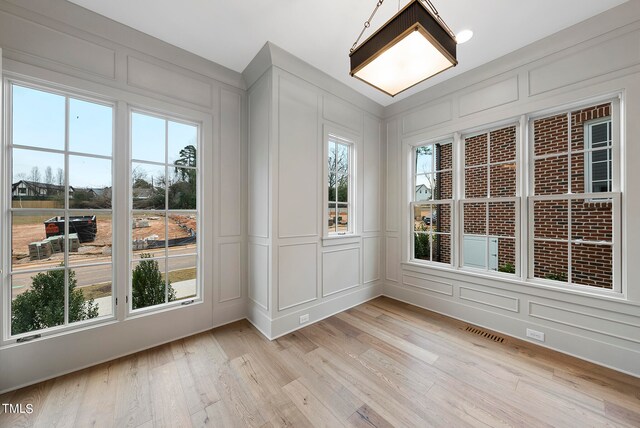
574,205
164,211
340,187
432,202
60,270
598,163
490,207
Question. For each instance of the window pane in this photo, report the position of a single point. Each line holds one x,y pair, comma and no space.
342,158
38,179
475,150
592,265
503,180
551,219
331,160
90,128
424,159
507,255
332,187
148,190
37,301
441,218
503,144
424,187
89,183
502,219
422,217
147,138
600,136
149,234
443,185
441,247
182,277
579,172
90,291
592,220
38,119
422,245
332,210
551,176
444,156
580,118
343,218
343,188
93,232
36,243
475,218
550,260
182,234
183,189
183,140
475,182
148,284
551,135
474,251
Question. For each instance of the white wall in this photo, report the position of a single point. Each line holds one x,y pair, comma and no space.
63,44
595,58
294,271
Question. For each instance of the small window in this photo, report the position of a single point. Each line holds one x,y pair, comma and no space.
340,213
598,163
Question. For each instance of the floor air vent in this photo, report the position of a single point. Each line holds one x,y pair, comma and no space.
485,334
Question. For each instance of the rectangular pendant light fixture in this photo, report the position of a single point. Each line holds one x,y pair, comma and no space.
411,47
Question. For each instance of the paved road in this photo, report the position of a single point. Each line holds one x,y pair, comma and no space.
98,274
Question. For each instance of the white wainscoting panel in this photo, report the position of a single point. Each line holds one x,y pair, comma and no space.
297,275
340,270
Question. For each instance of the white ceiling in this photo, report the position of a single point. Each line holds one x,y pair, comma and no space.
321,32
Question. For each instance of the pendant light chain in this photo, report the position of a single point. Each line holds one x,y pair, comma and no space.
367,24
427,3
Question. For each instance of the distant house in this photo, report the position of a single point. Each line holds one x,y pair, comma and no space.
33,189
142,193
422,192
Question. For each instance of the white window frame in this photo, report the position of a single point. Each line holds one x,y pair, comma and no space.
588,146
350,140
413,203
615,195
198,298
6,204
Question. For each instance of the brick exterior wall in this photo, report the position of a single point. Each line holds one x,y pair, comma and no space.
591,220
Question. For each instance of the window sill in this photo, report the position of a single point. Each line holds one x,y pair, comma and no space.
503,280
348,238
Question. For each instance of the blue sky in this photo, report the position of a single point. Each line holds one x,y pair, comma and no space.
39,122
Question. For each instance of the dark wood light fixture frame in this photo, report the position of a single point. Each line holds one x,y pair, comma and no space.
413,17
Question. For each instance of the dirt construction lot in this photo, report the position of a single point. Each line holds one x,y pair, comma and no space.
29,229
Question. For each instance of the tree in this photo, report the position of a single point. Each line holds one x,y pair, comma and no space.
60,177
182,192
43,305
35,174
48,175
148,285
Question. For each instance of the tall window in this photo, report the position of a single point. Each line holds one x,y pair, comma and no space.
164,211
432,202
574,206
490,206
60,270
340,185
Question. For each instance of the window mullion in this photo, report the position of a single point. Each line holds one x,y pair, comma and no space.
66,214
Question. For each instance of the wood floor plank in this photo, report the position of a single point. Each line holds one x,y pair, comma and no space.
383,363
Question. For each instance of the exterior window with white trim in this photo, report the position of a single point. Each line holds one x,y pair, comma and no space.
432,204
60,271
340,185
164,211
490,208
575,203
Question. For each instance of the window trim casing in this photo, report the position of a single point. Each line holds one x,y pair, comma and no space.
131,313
6,157
352,140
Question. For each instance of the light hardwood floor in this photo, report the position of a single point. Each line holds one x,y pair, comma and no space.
383,363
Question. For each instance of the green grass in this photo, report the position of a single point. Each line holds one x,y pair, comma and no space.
103,289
